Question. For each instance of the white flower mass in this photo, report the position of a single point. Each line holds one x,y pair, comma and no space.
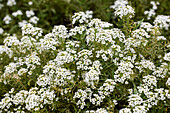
87,65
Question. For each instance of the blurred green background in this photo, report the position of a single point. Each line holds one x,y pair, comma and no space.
57,12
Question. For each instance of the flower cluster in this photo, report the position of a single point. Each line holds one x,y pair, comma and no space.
32,100
91,67
17,13
7,19
15,17
124,71
82,95
123,11
100,110
139,37
82,17
119,3
28,29
162,21
152,12
167,56
11,2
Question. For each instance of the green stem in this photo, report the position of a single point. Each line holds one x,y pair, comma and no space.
134,85
34,45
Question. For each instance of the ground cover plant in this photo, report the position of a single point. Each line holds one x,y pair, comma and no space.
117,63
47,13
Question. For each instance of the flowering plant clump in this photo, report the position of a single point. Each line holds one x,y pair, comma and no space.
91,67
152,12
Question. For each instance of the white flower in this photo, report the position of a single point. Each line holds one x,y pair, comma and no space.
167,56
60,31
33,31
162,21
17,13
22,71
139,109
11,3
97,23
168,82
134,100
91,77
125,110
34,20
125,11
101,110
82,17
151,12
11,40
1,5
77,30
30,13
7,19
150,81
30,3
23,23
160,38
1,30
119,3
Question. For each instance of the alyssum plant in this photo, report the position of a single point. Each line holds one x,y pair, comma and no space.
92,68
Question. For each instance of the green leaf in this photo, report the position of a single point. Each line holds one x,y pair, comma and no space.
29,82
139,24
13,28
